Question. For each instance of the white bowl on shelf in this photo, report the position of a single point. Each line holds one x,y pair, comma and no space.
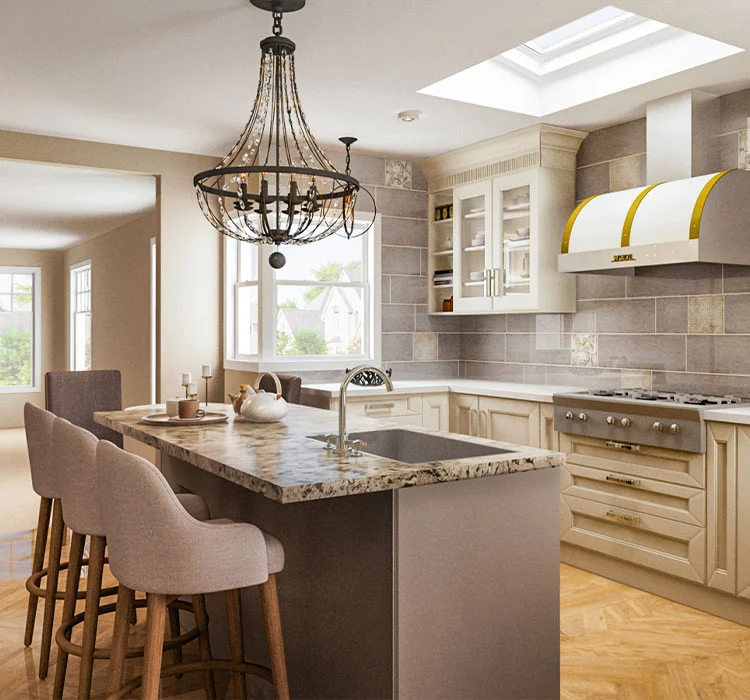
523,232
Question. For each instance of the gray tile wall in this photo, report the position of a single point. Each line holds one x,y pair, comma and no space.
685,329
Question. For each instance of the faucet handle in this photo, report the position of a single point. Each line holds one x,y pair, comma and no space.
354,445
331,440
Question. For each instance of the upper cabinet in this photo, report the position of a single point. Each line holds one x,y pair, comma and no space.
497,214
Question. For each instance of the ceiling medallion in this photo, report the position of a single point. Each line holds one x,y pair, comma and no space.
276,185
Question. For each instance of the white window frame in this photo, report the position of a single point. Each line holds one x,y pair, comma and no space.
71,310
36,340
266,359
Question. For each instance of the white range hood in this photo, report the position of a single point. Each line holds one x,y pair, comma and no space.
697,219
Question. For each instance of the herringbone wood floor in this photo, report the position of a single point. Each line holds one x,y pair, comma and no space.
618,643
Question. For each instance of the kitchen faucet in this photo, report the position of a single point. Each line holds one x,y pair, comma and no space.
343,445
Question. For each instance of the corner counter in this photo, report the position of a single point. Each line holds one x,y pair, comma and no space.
432,580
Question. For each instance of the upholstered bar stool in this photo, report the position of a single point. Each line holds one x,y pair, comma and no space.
157,547
75,450
42,460
291,386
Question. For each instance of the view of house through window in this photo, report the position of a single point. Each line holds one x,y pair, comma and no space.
80,316
17,326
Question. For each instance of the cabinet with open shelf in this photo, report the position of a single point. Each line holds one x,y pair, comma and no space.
510,198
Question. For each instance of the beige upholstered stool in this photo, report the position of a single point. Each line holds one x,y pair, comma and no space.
75,454
157,547
42,460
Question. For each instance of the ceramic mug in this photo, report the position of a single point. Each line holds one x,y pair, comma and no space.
189,408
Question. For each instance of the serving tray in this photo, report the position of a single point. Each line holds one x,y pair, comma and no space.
164,419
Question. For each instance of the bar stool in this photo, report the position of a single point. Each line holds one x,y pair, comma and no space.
75,451
38,424
157,547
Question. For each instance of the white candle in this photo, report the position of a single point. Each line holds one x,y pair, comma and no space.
192,388
206,371
187,377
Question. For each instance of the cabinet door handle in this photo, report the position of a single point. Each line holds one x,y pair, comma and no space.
623,517
623,480
472,419
622,446
379,406
482,432
497,281
487,284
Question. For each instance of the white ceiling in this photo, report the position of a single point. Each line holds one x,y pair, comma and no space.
48,207
182,75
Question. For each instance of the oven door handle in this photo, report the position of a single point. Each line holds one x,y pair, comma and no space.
622,446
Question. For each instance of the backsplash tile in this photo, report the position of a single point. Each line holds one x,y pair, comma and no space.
425,347
584,350
625,173
706,314
398,173
635,379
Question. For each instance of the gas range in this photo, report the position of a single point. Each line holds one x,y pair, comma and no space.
627,418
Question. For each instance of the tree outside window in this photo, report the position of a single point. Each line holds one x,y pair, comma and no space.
16,328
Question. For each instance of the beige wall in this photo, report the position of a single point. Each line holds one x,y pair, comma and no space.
121,283
52,329
189,302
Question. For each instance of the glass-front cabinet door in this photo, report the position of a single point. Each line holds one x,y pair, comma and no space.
514,278
472,247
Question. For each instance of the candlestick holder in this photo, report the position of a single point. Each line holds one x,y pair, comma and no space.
186,391
207,377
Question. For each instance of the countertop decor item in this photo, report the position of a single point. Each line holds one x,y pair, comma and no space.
206,373
239,398
276,185
262,407
165,419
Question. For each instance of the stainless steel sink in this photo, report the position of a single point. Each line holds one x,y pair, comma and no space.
414,448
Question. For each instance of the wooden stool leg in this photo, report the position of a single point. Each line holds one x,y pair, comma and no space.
236,642
125,601
201,621
53,570
40,546
174,631
69,607
156,610
91,615
272,616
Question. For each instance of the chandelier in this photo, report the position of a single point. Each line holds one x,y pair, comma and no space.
277,186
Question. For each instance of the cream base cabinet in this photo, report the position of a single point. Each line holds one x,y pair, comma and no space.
507,420
464,414
436,412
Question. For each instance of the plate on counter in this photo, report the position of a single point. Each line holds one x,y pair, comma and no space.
164,419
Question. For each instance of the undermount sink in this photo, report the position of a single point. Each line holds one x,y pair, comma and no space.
411,447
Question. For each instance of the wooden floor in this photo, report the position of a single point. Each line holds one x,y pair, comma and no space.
618,643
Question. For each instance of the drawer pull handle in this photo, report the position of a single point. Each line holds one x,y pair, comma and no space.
379,406
622,446
623,480
630,519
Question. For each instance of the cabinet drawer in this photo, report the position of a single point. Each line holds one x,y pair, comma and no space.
685,504
645,462
665,545
386,407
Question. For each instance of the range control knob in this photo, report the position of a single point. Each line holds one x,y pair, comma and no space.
625,422
675,428
611,420
582,417
569,415
658,427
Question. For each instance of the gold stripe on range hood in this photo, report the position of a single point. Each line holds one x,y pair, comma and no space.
628,225
572,220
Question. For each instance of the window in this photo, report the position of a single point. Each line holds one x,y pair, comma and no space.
20,366
80,316
319,309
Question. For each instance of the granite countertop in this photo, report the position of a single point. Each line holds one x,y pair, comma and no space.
280,461
739,416
482,387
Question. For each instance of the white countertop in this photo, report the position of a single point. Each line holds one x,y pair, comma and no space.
481,387
740,416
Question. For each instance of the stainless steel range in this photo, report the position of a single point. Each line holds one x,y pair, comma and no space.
627,418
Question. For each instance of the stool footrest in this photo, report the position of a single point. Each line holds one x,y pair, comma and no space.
33,581
191,667
62,638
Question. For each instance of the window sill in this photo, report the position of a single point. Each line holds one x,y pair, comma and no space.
19,390
296,364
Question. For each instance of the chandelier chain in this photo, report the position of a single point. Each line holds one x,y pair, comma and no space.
277,16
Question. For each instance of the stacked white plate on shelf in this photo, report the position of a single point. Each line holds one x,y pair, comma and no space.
476,275
478,240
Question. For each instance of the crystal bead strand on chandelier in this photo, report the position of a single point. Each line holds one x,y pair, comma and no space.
276,185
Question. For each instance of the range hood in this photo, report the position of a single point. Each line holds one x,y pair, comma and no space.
688,212
697,219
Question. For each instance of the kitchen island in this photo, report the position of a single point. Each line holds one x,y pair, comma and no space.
429,580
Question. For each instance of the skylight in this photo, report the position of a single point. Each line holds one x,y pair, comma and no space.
579,30
599,54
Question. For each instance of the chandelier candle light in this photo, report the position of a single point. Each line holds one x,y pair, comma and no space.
276,186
